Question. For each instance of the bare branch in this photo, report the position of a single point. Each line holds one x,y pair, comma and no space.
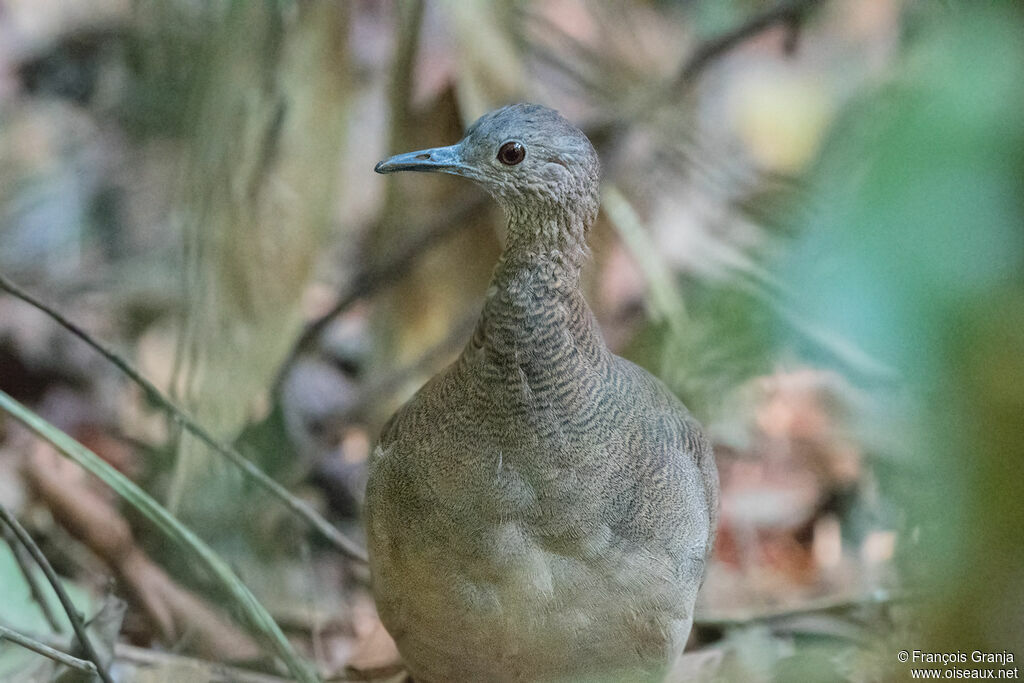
45,650
369,279
829,604
386,386
131,660
789,12
33,582
69,607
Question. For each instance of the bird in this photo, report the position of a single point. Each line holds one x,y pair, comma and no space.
541,509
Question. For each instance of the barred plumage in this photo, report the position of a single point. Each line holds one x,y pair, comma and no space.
542,509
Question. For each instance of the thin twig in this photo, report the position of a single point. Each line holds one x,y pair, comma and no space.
256,616
607,134
32,580
128,656
786,12
830,604
69,607
64,658
94,521
388,384
384,674
146,660
297,506
369,279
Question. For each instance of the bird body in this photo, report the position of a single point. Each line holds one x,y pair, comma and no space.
542,509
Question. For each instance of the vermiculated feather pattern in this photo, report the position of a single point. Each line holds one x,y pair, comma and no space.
542,509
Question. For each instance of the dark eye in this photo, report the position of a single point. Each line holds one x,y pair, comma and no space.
511,153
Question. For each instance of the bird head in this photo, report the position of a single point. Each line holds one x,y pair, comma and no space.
537,165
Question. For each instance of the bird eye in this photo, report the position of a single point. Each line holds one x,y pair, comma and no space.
511,153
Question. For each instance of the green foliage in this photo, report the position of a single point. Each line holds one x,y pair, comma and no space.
723,339
914,254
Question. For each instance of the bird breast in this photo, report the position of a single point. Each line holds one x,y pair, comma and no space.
530,514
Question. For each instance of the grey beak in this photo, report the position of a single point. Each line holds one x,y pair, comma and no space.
443,159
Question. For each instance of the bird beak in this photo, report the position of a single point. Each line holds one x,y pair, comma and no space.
443,159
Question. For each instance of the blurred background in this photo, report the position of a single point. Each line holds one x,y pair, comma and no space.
812,229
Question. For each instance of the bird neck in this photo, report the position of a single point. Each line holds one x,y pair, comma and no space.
554,237
535,298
